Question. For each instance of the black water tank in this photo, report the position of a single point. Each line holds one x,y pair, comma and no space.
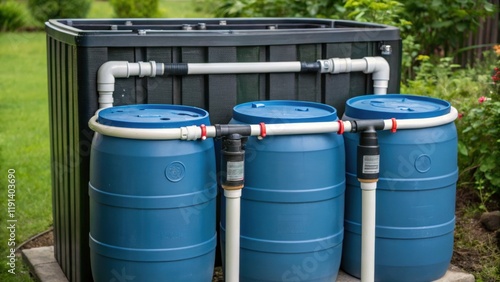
76,48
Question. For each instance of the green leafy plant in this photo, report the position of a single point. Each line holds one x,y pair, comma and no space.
480,144
442,25
473,91
12,16
484,194
271,8
43,10
135,9
387,12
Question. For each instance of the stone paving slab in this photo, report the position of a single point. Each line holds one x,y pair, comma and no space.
43,264
454,274
44,267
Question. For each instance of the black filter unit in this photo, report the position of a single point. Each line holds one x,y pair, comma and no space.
76,49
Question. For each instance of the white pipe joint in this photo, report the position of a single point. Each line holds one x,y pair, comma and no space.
341,65
106,80
377,66
380,70
121,69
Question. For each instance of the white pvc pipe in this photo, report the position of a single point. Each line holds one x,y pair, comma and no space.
380,70
194,132
423,122
232,68
368,214
121,69
300,128
232,254
377,66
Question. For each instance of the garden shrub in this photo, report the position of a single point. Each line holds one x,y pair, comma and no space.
441,26
12,16
475,94
135,9
43,10
271,8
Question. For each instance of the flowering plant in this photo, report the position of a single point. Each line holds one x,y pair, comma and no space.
495,77
495,74
479,139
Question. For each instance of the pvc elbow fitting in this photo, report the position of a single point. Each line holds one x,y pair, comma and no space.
379,68
109,70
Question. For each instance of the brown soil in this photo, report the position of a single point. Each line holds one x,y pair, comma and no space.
41,240
474,245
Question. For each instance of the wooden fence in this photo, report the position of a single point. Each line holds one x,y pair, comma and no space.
481,40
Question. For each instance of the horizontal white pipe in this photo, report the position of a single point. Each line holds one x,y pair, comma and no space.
377,66
368,215
299,128
194,132
423,122
232,68
232,254
359,65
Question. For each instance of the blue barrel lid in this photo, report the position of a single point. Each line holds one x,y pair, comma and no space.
400,106
153,116
283,111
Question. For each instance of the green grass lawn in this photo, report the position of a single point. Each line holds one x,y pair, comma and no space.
24,136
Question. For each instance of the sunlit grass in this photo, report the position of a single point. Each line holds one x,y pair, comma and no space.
24,135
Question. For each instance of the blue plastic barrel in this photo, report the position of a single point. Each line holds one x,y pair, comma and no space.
415,213
292,204
152,202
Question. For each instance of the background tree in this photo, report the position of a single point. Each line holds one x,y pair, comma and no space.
43,10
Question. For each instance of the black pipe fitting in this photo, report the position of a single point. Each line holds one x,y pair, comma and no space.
176,69
233,162
310,66
368,158
228,129
362,125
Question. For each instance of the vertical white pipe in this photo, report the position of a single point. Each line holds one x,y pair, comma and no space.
380,70
368,208
232,254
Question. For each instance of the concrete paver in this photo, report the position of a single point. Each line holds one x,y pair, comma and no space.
43,264
45,268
